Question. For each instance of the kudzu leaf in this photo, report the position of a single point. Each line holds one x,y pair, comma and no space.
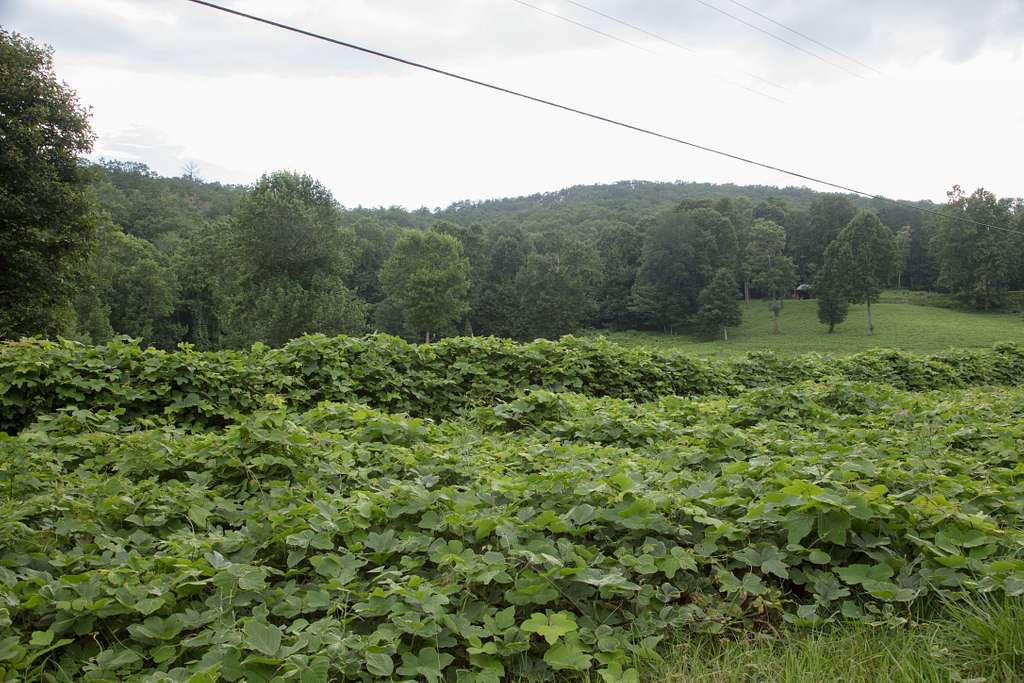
568,654
551,627
379,664
263,637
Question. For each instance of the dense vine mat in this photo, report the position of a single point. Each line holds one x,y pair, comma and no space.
546,534
187,387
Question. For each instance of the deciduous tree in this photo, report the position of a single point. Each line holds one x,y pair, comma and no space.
428,276
46,220
769,268
717,306
865,258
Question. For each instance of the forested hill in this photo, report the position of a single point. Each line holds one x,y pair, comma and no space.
627,201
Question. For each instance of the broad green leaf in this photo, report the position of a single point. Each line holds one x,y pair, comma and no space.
263,637
550,626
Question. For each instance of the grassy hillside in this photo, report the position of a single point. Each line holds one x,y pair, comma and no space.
904,326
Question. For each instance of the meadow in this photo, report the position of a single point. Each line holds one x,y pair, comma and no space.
901,322
480,510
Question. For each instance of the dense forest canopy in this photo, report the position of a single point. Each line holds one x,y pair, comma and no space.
93,250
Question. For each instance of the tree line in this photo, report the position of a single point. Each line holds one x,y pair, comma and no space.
91,250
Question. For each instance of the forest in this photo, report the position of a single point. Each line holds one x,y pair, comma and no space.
219,266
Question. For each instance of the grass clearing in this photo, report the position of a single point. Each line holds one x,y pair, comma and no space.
981,639
904,326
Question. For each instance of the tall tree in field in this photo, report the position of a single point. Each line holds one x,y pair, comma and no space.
427,275
975,261
768,267
903,238
717,307
865,253
833,299
46,224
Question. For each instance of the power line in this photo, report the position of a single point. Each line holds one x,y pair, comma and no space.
584,26
804,36
778,38
663,39
632,44
580,112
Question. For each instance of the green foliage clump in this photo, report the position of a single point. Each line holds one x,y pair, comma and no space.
435,380
718,309
46,217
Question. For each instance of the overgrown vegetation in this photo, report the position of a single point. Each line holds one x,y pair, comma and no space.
474,509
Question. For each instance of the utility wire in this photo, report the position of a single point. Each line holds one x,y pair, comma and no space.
663,39
779,38
804,36
580,112
634,45
585,26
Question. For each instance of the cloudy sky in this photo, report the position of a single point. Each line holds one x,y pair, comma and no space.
171,82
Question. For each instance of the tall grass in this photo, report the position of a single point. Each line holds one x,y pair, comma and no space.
978,640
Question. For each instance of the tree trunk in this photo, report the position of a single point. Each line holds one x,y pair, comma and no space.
899,280
428,336
871,326
725,333
775,322
746,291
831,328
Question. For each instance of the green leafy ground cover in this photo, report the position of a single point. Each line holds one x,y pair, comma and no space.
913,322
281,536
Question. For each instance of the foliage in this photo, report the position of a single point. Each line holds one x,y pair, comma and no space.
427,380
767,266
427,275
975,261
46,222
718,308
863,259
554,292
274,534
832,296
293,256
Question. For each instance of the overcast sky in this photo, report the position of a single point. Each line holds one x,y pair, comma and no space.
171,82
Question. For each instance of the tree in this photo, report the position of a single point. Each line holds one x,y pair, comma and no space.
46,222
618,247
833,299
293,257
864,258
902,253
769,268
554,291
683,248
427,275
975,261
496,309
829,213
718,308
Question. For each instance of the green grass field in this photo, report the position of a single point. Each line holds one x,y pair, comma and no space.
910,327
